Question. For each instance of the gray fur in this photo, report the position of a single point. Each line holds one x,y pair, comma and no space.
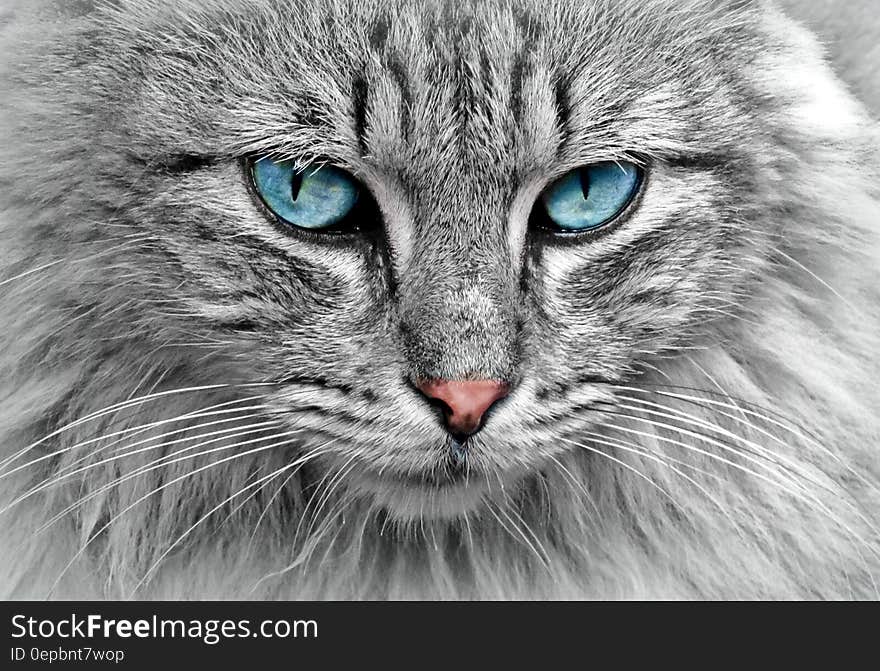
695,403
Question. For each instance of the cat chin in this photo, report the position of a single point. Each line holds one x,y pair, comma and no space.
408,500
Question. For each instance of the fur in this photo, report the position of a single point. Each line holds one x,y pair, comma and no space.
197,404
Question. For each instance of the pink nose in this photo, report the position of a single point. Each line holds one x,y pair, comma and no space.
464,402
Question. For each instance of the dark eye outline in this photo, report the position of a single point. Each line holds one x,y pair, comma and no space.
363,217
540,221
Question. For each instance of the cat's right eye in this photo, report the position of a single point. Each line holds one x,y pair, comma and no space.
317,199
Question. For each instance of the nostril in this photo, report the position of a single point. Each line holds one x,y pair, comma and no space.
440,404
464,402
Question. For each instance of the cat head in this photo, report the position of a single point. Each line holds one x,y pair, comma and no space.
451,324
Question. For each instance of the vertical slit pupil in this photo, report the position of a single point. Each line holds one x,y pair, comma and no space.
584,177
295,185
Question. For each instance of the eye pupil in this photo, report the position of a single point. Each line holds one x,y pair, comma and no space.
295,185
584,176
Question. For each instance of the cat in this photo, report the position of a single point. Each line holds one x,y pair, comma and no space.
446,371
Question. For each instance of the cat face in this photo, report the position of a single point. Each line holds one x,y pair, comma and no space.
451,122
570,298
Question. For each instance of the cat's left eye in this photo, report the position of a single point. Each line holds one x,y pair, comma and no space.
317,199
590,197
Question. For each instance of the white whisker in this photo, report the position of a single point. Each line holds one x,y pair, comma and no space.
162,488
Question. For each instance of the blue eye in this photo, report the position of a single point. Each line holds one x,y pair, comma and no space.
314,198
589,197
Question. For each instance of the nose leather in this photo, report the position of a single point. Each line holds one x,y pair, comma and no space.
464,402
